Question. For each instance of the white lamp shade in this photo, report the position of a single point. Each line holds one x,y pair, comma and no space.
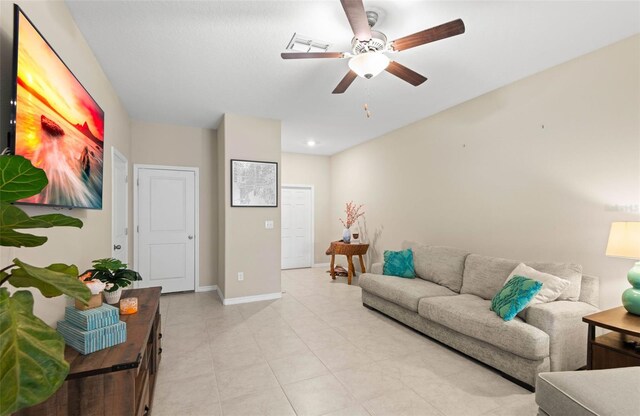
369,64
624,240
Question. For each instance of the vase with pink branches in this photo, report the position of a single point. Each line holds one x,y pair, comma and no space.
353,212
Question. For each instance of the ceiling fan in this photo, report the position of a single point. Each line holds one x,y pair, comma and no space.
367,56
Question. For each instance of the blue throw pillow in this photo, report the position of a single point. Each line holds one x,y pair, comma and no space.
399,263
514,296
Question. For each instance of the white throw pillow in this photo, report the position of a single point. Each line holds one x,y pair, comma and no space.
552,286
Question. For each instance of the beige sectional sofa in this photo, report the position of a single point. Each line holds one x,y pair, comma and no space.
450,302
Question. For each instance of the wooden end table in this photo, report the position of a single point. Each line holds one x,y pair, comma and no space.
611,350
349,250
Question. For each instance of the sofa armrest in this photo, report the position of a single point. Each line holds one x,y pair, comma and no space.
590,290
376,268
562,321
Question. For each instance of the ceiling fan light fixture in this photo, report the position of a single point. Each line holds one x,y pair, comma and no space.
368,65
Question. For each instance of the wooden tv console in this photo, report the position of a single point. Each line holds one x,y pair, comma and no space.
119,380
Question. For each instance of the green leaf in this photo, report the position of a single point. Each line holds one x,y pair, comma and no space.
58,220
108,264
12,217
19,179
54,280
128,274
12,238
31,353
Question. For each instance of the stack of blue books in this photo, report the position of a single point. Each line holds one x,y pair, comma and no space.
93,329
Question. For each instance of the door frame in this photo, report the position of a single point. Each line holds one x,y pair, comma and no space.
116,153
312,255
136,172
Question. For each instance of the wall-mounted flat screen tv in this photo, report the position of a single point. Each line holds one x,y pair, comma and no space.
58,125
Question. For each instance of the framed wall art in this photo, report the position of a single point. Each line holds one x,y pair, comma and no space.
254,183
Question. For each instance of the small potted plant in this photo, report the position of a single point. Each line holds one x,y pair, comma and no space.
115,274
353,213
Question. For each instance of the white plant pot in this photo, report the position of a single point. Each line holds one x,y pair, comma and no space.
112,297
346,235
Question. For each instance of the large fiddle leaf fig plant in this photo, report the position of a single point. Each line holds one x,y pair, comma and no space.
31,352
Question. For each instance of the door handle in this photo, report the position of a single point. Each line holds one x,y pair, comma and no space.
190,237
117,247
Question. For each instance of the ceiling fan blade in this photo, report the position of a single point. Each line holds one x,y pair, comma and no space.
446,30
345,82
405,73
354,9
307,55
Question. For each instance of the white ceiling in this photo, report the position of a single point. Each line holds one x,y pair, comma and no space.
188,62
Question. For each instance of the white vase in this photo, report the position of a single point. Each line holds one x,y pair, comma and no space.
112,297
346,235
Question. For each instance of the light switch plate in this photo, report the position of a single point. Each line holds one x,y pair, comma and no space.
268,224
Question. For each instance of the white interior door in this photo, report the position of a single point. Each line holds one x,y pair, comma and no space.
119,218
166,227
297,224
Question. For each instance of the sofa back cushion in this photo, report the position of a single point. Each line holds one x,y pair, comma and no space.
484,276
439,264
568,271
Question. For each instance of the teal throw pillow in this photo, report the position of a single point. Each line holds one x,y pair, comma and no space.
514,296
399,263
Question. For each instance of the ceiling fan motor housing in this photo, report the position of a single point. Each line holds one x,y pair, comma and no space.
377,43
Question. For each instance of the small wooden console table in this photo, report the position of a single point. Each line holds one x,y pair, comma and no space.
610,350
118,380
349,250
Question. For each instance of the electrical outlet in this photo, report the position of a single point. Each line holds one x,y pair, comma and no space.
268,224
240,276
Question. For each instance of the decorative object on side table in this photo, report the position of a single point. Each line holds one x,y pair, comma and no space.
624,241
115,274
96,287
31,352
92,330
128,306
353,213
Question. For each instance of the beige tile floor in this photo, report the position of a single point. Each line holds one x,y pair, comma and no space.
317,351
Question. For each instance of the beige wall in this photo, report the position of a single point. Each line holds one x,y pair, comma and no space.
249,247
536,170
93,241
299,169
170,145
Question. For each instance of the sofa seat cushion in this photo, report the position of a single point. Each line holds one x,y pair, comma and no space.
438,264
590,393
403,292
470,315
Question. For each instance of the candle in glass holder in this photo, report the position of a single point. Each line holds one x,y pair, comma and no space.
128,306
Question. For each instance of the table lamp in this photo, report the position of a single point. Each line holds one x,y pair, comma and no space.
624,241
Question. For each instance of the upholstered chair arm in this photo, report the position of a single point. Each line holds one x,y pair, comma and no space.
562,321
376,268
590,290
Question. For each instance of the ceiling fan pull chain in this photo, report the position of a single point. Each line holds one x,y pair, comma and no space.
367,100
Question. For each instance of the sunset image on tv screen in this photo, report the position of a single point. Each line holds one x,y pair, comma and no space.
59,127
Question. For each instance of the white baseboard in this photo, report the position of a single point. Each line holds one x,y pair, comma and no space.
247,299
320,264
211,288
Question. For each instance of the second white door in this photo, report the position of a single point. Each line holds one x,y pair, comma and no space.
120,190
166,228
297,223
